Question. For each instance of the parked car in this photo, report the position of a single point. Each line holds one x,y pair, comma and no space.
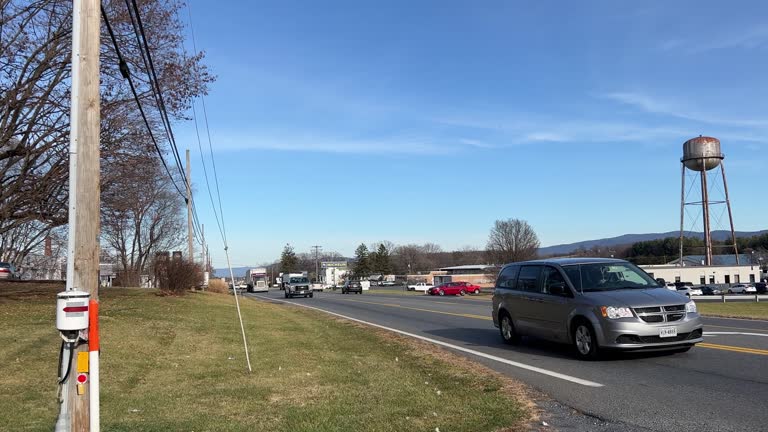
710,290
742,289
593,304
671,286
352,287
761,288
470,288
421,286
387,283
8,271
448,288
688,290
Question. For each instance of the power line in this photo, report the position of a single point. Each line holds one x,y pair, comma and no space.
154,84
149,65
125,72
208,132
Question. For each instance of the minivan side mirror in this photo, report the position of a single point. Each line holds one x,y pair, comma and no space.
559,289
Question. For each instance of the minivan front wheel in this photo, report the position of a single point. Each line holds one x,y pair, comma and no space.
585,341
507,330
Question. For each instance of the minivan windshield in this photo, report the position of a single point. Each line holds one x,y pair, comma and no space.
608,277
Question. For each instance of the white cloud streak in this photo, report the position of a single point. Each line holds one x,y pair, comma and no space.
749,38
653,105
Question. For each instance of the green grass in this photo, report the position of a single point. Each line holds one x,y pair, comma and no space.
177,363
735,309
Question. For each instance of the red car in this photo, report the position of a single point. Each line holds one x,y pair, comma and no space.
470,288
454,288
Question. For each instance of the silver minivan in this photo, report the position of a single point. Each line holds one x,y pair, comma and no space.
593,304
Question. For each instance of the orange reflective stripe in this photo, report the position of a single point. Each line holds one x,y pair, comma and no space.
93,325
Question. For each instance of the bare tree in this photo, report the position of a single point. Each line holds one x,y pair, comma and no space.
512,240
141,214
35,76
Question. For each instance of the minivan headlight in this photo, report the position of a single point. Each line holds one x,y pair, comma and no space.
614,312
690,307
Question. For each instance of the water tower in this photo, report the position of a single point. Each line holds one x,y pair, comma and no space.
702,155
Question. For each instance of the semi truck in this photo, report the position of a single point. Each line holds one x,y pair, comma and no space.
256,280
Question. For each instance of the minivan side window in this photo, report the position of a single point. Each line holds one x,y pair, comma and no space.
508,277
574,274
551,277
528,280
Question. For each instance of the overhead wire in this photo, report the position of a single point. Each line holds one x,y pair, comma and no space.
208,133
153,78
222,227
125,72
157,93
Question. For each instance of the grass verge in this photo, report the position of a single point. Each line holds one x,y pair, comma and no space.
176,363
735,309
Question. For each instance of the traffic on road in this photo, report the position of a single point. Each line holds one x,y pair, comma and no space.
726,365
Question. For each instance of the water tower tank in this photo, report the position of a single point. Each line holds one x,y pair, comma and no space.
702,153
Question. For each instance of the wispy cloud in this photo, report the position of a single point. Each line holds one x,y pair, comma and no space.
654,105
746,38
390,145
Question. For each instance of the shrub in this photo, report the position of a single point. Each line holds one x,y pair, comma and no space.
175,276
217,286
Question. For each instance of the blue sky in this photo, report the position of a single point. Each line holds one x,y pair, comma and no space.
336,123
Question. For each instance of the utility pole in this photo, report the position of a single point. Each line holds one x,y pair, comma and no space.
190,233
80,407
202,248
317,249
206,276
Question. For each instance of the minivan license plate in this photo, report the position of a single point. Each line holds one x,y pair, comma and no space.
668,332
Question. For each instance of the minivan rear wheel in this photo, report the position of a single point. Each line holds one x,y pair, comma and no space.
507,330
585,341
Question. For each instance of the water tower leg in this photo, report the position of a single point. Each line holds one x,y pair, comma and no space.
730,213
705,210
682,211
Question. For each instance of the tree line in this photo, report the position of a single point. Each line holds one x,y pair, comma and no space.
509,240
142,213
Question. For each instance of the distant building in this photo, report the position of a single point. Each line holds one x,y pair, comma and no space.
724,272
478,274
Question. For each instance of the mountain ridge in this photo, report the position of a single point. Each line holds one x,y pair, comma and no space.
627,239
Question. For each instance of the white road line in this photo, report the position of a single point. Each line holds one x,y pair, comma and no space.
455,347
734,333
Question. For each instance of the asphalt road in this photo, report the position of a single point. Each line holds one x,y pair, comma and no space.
721,385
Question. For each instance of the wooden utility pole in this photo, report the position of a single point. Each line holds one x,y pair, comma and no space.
190,233
83,259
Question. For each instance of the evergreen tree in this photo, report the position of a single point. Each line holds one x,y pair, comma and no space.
288,260
383,265
362,266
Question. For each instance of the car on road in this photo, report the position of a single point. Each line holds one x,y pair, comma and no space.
8,271
298,286
710,290
470,288
352,287
420,286
742,289
448,288
593,304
